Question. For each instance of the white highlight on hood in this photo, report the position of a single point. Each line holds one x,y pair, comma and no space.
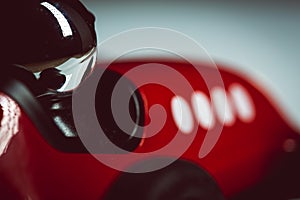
182,114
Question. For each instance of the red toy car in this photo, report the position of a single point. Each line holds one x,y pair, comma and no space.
67,133
42,158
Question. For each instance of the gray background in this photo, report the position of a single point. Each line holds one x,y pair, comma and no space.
260,39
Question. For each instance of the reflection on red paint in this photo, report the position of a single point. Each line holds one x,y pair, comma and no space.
9,121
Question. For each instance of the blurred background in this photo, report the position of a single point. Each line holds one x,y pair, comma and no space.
259,39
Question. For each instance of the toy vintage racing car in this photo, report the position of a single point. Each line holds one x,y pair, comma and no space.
212,141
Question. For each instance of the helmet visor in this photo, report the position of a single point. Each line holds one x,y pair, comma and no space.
73,71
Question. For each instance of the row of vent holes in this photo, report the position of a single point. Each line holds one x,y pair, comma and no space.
224,108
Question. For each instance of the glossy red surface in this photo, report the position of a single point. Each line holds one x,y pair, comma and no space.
244,151
243,154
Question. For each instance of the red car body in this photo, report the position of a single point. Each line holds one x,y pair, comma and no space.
247,149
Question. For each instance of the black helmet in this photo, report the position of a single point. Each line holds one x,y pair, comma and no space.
50,47
51,38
